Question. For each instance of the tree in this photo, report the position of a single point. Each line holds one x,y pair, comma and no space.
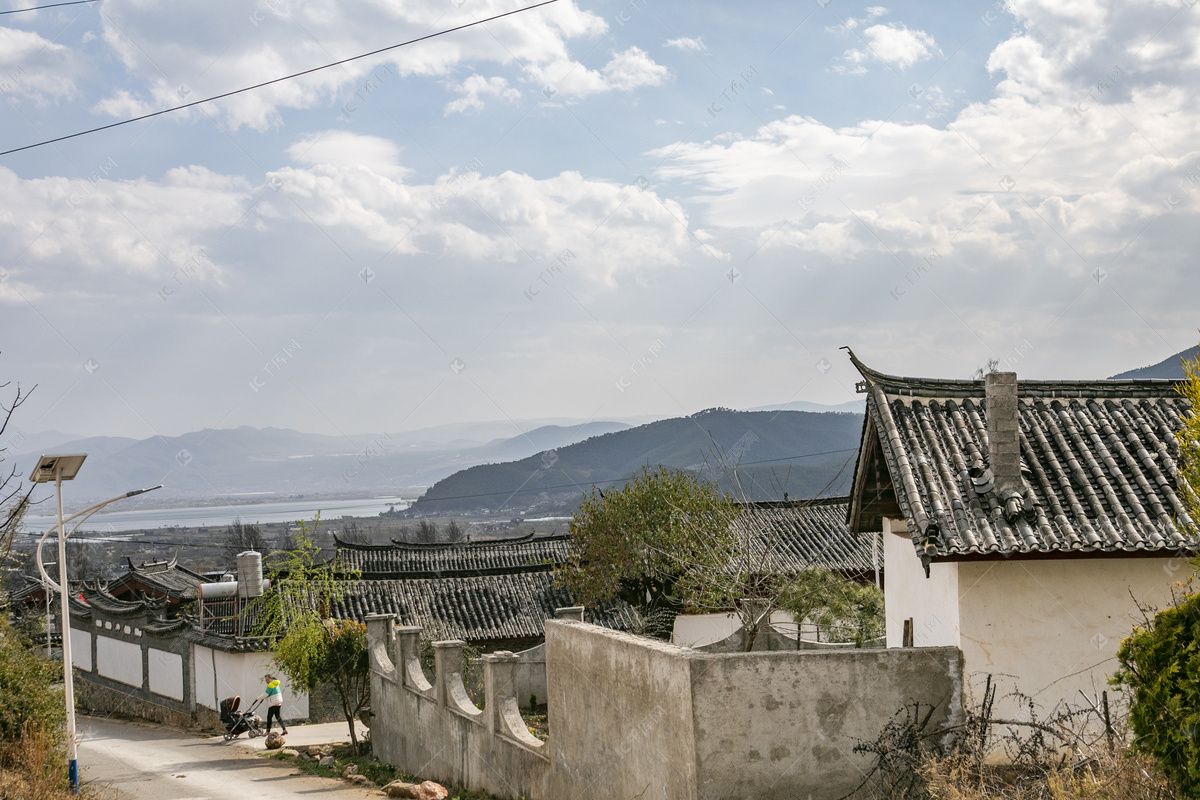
846,610
427,532
353,533
312,649
1159,664
14,497
1189,439
454,533
1160,660
239,538
668,538
633,543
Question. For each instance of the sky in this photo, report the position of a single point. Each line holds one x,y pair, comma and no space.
590,209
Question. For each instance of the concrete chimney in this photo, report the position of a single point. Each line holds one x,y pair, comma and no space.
1004,433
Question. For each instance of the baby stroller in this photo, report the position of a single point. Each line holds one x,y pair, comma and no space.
237,723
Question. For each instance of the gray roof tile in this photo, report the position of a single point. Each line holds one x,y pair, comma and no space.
1099,466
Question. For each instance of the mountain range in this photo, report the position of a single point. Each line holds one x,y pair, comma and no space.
273,461
1171,367
800,453
800,448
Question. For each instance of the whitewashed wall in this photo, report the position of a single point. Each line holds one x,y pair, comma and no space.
81,649
120,661
220,675
697,630
931,603
166,674
1056,624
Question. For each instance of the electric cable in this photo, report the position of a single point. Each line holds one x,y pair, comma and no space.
52,5
274,80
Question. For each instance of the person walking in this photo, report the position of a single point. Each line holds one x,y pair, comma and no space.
274,697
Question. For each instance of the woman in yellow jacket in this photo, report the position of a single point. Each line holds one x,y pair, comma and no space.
274,698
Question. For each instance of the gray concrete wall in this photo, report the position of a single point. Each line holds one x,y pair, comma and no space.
620,712
531,674
427,725
634,717
784,725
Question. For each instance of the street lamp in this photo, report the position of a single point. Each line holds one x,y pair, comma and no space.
58,469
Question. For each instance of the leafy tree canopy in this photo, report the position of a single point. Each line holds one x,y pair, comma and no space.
661,533
310,648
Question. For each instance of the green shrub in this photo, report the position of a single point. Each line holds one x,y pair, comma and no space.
1160,664
29,697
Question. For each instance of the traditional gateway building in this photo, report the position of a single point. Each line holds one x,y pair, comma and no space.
1027,523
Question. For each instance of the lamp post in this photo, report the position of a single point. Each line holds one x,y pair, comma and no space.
58,469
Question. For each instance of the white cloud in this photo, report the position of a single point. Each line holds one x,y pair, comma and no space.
476,86
488,220
632,68
686,43
895,44
349,150
122,104
626,70
190,53
33,66
99,232
1051,170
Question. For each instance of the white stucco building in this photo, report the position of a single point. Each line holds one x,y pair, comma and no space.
1027,523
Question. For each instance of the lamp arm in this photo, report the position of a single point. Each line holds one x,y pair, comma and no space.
85,513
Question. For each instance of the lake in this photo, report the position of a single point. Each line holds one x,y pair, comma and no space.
208,516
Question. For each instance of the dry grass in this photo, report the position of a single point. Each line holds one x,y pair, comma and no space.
34,768
1104,776
1074,753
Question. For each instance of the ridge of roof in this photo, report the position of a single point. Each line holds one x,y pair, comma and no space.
478,543
813,501
969,387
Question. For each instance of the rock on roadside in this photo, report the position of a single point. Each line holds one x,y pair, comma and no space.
424,791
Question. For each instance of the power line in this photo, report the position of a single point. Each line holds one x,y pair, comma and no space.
52,5
275,80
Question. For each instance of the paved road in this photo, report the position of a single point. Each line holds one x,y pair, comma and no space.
146,762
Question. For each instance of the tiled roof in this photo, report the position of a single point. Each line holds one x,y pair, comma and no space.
400,559
507,606
802,533
165,577
97,598
1099,467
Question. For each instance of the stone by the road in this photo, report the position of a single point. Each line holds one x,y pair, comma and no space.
287,751
326,761
349,771
274,741
431,791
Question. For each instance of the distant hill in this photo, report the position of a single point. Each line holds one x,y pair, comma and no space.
798,452
1167,368
851,407
213,463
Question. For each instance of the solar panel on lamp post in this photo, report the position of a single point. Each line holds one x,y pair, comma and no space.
59,468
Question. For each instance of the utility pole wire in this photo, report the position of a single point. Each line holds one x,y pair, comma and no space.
52,5
276,80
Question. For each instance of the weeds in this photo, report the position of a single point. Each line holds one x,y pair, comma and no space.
1073,753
